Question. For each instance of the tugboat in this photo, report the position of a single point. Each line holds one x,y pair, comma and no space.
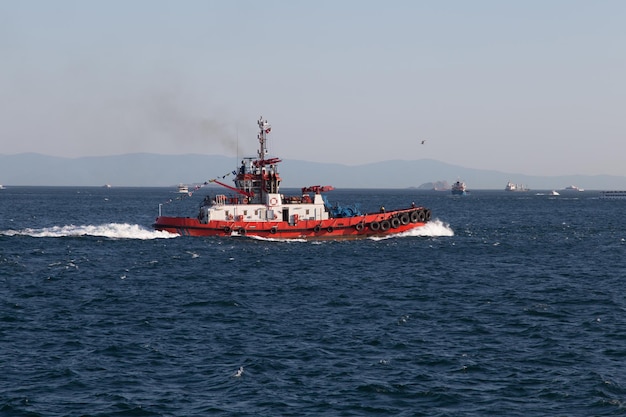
259,209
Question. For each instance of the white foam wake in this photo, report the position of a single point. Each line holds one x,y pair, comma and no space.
111,230
433,228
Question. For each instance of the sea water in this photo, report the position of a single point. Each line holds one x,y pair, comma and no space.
506,304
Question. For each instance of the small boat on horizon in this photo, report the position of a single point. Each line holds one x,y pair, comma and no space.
551,193
573,188
258,208
182,188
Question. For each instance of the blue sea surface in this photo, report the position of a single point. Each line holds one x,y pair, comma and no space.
506,304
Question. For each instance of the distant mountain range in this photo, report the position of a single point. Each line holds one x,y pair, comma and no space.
153,170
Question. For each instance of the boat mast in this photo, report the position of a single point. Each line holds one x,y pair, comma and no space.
270,180
265,129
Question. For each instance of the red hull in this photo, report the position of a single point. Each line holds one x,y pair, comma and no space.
368,225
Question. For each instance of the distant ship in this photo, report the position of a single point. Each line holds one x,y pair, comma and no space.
459,188
613,195
182,188
573,188
515,187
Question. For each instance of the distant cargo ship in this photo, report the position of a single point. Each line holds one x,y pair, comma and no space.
459,188
515,187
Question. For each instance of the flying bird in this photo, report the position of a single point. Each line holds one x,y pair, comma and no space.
423,141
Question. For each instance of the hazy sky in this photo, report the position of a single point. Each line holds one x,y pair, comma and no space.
534,87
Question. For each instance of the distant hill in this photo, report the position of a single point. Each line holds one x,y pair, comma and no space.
151,170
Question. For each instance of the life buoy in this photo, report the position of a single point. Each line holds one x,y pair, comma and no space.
415,216
242,231
374,226
395,222
422,216
405,219
273,201
317,228
428,214
226,229
273,230
359,227
384,225
329,229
